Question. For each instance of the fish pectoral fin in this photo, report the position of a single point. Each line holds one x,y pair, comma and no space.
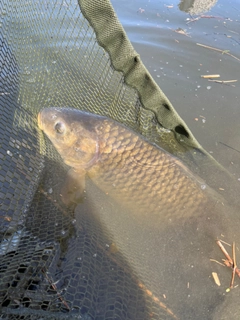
73,188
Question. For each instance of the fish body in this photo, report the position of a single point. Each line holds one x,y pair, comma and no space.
169,234
133,171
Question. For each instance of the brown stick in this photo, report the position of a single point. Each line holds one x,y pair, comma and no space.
234,265
206,17
222,81
219,50
225,252
55,288
207,76
229,262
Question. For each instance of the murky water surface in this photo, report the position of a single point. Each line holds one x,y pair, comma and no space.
166,39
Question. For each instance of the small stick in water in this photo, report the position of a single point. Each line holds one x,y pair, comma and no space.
207,76
223,81
234,265
55,288
230,262
219,50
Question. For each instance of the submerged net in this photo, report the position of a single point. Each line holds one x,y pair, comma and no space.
58,262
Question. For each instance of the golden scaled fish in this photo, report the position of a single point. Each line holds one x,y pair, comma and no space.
136,173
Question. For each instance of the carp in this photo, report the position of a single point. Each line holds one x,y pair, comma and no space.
176,218
136,173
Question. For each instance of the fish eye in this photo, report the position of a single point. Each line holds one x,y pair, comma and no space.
59,127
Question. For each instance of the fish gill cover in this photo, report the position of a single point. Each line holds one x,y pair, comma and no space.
95,260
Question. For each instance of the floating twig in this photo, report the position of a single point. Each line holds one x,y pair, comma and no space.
230,262
228,244
203,17
226,145
234,265
6,218
229,259
216,279
213,260
219,50
55,288
223,81
207,76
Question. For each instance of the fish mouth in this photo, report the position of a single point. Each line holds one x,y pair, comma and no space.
39,120
94,159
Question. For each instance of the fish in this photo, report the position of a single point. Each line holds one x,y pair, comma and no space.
135,172
170,236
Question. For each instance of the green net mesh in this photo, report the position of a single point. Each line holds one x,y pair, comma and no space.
58,262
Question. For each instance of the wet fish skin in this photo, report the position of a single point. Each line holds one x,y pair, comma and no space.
135,172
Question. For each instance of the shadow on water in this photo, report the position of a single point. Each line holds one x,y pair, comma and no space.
173,261
70,267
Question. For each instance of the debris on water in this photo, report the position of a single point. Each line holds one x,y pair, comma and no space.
141,10
9,153
223,81
181,31
219,50
189,20
226,145
216,279
230,262
209,87
207,76
53,285
228,244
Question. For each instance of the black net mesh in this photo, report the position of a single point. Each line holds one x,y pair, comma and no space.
59,262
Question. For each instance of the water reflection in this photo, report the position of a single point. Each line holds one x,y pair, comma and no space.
196,6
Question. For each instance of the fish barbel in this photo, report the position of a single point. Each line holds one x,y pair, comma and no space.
135,172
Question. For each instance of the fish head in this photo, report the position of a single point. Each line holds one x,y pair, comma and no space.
72,133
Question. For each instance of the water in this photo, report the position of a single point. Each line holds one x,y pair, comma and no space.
167,261
166,39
